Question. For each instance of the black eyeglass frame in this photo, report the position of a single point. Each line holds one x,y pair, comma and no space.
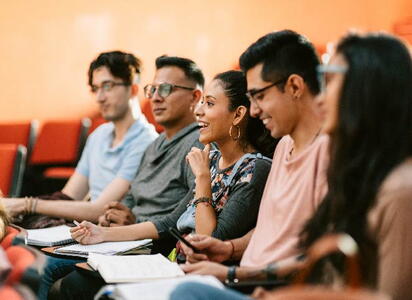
158,88
251,93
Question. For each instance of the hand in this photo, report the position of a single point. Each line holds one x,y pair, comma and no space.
206,268
117,214
14,206
199,161
87,233
210,249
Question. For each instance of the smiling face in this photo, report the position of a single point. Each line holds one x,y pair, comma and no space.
113,103
275,108
328,99
213,115
176,107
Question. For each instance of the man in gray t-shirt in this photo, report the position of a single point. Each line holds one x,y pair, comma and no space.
164,179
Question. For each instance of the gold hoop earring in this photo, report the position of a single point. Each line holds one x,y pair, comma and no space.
235,138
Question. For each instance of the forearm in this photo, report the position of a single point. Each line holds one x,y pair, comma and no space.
281,269
205,213
239,245
205,218
145,230
72,210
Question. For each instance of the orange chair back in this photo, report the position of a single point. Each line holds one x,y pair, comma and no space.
60,142
23,133
146,108
12,164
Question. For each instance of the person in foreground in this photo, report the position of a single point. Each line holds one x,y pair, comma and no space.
367,107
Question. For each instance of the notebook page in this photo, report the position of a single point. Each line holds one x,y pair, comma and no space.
48,236
134,268
160,289
104,248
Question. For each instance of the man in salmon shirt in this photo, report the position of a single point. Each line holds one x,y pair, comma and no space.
282,85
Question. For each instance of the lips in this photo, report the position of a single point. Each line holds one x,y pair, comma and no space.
158,110
202,125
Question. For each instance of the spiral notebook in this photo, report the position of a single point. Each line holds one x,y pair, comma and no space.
48,237
107,248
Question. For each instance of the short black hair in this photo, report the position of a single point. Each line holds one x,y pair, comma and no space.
283,53
120,64
188,66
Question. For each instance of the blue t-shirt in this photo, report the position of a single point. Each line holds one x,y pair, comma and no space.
101,163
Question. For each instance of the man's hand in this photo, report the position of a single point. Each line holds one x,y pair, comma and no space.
206,268
117,214
210,249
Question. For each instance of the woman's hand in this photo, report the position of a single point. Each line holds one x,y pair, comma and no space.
87,233
14,206
199,161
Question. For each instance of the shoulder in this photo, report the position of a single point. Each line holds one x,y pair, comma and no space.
254,167
394,199
101,132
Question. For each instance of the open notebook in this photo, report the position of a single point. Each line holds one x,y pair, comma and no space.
53,236
108,248
154,290
133,268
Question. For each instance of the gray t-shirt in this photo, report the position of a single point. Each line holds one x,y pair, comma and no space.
164,179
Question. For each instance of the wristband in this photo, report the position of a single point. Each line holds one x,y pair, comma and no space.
201,200
270,271
231,275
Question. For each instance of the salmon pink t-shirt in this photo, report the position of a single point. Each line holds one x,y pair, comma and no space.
294,189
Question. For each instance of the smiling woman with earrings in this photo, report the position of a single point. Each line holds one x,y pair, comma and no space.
230,180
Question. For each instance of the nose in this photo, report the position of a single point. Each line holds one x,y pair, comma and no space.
199,110
156,97
320,99
100,96
255,110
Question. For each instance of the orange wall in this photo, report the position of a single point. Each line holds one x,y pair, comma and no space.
46,45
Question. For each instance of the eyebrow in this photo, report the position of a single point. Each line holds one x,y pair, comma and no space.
210,96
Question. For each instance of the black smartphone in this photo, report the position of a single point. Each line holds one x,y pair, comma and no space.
173,231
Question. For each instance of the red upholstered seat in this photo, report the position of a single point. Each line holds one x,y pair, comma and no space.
12,165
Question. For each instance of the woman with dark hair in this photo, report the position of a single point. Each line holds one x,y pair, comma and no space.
230,180
367,104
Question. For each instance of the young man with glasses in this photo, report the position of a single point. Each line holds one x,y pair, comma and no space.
113,151
111,157
282,84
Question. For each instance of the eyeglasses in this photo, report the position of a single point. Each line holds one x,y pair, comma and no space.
251,94
322,70
163,89
107,86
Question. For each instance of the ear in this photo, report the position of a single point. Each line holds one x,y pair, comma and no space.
197,94
134,89
295,86
240,113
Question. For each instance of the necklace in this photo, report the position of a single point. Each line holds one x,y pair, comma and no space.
312,141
